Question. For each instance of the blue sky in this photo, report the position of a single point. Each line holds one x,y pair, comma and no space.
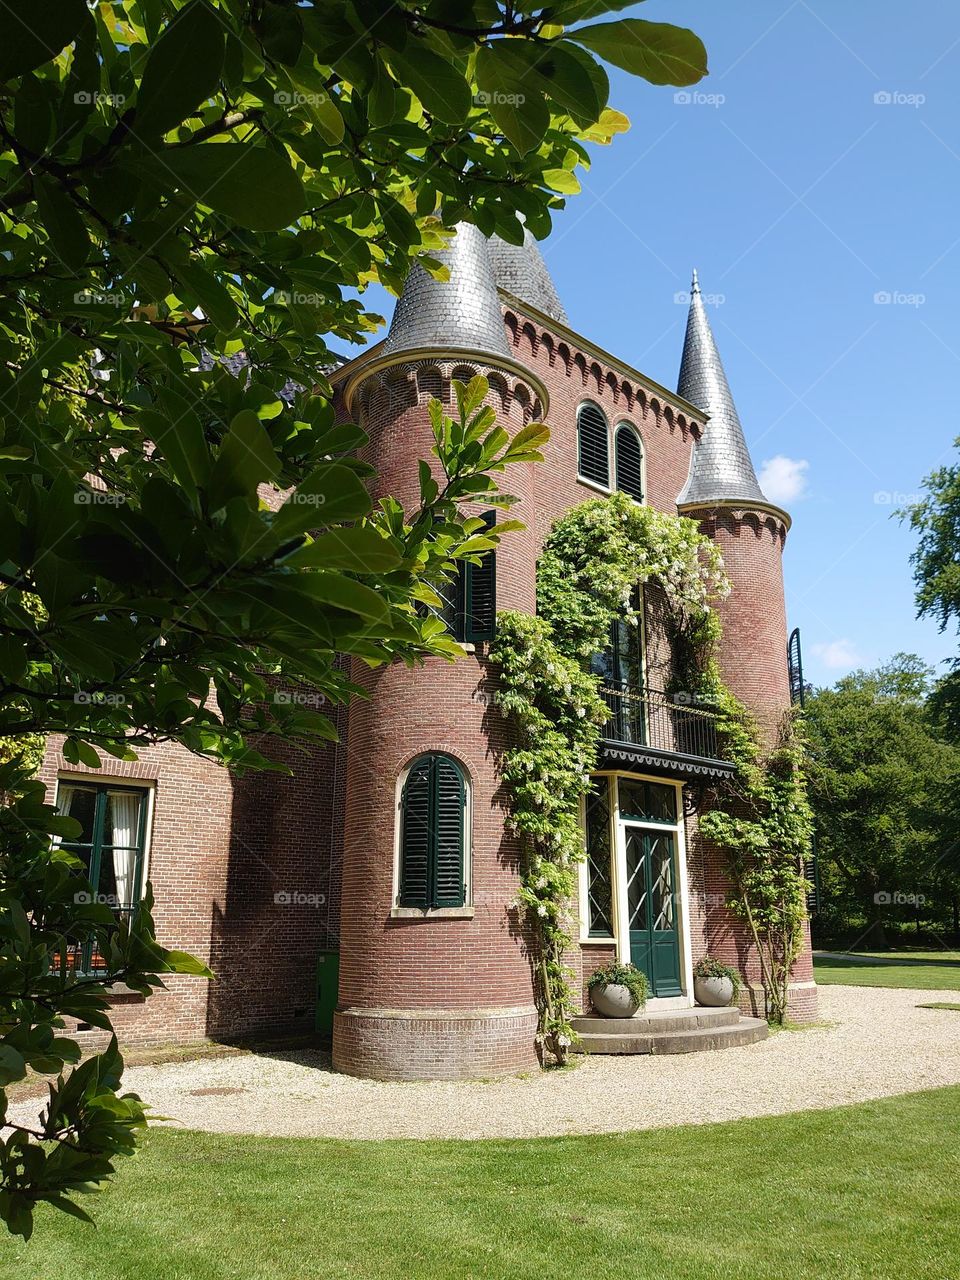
817,174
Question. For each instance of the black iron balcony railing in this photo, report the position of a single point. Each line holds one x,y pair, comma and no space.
654,719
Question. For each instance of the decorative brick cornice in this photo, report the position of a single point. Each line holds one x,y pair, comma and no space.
446,356
759,515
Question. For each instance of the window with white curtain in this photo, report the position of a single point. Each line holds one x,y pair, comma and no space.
110,844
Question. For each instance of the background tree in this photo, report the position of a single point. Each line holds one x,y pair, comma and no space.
880,775
186,188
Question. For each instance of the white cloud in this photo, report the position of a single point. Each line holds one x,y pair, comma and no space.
784,479
837,655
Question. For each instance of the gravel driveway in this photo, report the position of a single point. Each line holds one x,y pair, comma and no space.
879,1043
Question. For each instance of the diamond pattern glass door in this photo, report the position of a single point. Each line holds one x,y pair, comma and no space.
652,907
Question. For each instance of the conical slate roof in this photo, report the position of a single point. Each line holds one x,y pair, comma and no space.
721,469
462,313
521,270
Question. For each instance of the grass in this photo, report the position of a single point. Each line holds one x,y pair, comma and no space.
922,970
939,1004
855,1193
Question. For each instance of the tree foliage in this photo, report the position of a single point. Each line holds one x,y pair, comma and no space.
882,782
193,193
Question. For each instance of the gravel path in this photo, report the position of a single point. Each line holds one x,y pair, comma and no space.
878,1043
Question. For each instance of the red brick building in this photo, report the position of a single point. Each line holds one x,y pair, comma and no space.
391,847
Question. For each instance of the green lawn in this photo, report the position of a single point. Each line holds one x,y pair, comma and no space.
925,970
855,1193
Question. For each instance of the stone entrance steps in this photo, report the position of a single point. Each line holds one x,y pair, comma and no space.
669,1031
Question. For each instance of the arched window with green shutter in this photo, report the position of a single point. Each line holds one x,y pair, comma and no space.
628,452
593,448
433,806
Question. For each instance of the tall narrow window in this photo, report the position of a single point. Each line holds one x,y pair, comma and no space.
599,869
593,460
111,847
470,599
432,834
628,451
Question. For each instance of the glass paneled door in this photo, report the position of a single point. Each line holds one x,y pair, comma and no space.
652,907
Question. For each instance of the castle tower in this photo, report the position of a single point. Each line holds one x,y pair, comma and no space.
723,494
434,979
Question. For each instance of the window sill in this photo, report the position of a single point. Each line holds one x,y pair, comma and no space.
595,941
120,993
592,484
432,913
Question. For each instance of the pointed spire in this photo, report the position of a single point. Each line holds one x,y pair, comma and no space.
521,270
462,313
721,469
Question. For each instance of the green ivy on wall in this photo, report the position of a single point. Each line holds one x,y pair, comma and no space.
592,562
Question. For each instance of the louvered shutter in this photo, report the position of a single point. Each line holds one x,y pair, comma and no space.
480,593
449,889
593,462
629,459
416,835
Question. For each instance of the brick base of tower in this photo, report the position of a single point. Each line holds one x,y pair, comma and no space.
434,1044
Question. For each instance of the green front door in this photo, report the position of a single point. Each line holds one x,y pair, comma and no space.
652,898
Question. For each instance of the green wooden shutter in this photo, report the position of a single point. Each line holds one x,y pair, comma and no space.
432,835
593,461
415,837
480,594
629,460
448,884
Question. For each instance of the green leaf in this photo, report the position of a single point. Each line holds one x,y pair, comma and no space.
308,90
212,296
657,51
246,458
360,548
331,493
179,434
255,187
440,86
516,105
182,70
31,33
562,180
342,593
65,227
12,1065
184,962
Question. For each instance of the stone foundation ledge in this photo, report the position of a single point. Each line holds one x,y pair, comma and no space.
434,1044
801,1001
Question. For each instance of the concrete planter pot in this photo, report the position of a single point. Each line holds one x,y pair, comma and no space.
715,993
612,1000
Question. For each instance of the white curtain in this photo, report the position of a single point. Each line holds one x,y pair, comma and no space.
64,800
125,812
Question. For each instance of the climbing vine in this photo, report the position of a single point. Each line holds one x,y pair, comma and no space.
591,565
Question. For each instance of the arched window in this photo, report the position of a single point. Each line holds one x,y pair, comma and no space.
432,834
628,451
593,460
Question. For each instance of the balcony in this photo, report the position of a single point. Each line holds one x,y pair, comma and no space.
656,734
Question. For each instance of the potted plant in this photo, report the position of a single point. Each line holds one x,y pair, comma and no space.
618,990
714,983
